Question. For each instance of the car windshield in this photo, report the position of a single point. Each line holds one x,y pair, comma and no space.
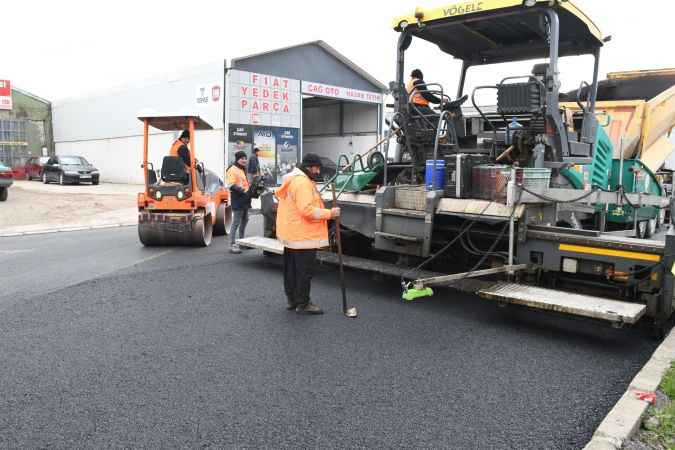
72,160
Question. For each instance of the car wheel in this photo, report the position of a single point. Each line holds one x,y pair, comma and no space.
44,178
94,181
61,179
4,192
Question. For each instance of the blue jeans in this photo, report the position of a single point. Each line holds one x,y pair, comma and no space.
239,221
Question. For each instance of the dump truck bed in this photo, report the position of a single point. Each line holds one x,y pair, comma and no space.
644,121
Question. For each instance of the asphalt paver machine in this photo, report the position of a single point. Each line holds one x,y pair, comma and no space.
498,215
181,204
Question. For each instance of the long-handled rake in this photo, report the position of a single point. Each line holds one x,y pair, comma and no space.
349,311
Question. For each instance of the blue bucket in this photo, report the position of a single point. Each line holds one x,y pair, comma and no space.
440,175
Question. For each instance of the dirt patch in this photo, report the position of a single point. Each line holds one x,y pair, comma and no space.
35,206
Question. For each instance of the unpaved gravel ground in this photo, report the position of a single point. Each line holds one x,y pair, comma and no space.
33,206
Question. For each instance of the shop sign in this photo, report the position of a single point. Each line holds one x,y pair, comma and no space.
5,94
343,93
266,100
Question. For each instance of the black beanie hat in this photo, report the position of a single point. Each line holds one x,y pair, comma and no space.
185,134
311,160
240,154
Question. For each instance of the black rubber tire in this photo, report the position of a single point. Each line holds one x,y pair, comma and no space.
223,220
4,193
148,236
376,159
94,181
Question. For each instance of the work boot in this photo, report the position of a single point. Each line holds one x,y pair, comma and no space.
234,248
309,308
291,304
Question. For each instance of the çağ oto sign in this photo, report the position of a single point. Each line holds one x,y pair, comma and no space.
343,93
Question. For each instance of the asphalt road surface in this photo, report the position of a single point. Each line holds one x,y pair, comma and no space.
107,344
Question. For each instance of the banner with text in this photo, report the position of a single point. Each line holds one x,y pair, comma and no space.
5,94
264,100
343,93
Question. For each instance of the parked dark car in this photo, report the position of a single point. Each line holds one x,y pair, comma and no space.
69,169
6,180
34,167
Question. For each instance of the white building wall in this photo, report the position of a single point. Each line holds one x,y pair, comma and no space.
104,127
119,159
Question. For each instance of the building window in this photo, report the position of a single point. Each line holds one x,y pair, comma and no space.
13,142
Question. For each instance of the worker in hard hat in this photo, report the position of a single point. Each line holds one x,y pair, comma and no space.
302,228
418,94
240,198
180,147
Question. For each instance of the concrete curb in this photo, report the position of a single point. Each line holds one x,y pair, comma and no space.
624,419
67,229
253,212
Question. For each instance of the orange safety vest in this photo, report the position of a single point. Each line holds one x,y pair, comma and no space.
174,147
302,219
236,176
413,95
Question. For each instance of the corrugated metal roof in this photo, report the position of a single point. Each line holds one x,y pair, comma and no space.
33,96
330,50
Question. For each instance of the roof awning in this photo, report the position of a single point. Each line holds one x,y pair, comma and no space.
172,121
497,31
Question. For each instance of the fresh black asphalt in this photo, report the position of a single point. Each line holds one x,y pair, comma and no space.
194,349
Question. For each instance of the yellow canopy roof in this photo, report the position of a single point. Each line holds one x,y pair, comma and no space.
492,31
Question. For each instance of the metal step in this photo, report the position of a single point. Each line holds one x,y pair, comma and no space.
398,237
405,213
470,285
266,244
565,302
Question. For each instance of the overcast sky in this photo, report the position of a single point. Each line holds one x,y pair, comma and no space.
58,49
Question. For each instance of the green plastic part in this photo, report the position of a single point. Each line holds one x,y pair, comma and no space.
412,293
357,176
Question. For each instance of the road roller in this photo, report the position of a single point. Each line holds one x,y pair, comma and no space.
182,204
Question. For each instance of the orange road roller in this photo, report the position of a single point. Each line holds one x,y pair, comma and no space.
183,203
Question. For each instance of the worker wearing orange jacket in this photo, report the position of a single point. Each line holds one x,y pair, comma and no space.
180,147
302,228
418,94
240,199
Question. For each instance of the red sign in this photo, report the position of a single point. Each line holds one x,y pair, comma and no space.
327,90
5,94
265,94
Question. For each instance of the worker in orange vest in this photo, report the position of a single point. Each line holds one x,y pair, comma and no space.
240,199
180,147
418,95
302,228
